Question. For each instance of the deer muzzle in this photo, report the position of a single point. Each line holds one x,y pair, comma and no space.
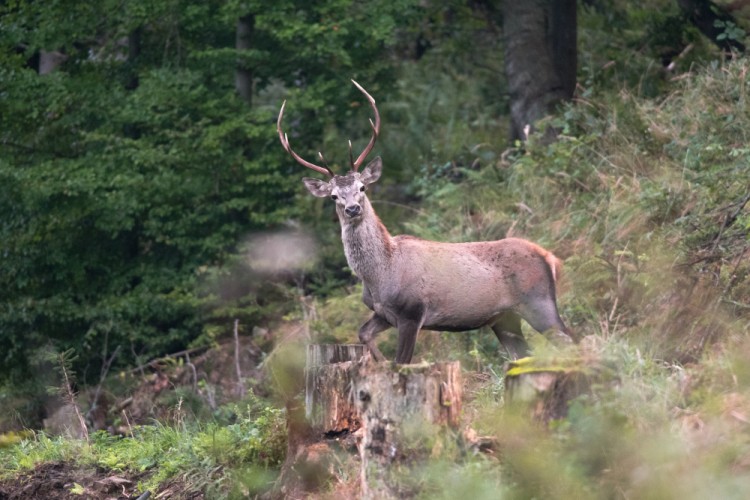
353,210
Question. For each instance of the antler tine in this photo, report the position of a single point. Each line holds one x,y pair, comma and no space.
375,130
285,144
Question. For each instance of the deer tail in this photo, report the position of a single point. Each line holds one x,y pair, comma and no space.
555,266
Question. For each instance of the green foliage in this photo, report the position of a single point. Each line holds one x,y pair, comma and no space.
40,448
111,239
334,318
255,441
446,115
129,187
134,169
731,31
258,438
636,435
622,44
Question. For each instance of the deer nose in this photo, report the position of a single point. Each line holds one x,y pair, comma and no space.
353,210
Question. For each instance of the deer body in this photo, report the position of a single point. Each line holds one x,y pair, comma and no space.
414,284
453,287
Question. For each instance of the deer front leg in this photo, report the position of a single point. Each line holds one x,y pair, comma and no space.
409,321
369,330
407,339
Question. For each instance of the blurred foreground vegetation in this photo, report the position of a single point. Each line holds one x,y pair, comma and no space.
127,215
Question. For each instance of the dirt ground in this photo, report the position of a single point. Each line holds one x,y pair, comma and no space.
151,399
60,480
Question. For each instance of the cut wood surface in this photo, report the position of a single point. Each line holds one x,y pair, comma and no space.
341,384
429,391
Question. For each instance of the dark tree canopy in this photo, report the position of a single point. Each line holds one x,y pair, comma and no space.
131,166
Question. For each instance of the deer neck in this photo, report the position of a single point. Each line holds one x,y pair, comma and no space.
367,244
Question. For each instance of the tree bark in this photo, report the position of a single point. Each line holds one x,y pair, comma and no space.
540,59
563,43
404,411
134,51
329,406
243,78
49,61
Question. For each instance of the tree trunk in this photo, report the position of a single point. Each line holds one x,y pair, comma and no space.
243,78
134,51
540,59
49,61
562,42
404,410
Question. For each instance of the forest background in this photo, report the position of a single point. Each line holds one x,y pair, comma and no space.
147,208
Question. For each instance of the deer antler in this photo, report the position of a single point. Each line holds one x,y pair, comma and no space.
355,163
375,131
285,144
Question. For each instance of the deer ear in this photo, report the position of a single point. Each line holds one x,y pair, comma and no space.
318,188
372,171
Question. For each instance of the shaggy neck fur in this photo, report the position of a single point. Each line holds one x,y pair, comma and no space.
367,243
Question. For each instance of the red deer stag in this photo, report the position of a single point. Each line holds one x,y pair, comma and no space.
414,284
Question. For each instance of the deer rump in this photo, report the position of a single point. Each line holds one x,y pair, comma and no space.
464,286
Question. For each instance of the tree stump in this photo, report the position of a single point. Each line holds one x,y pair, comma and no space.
329,406
398,412
404,411
545,387
388,393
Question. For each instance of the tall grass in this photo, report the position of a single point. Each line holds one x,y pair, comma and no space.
210,457
647,202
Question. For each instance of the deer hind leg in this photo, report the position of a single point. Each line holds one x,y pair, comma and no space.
542,315
369,330
508,331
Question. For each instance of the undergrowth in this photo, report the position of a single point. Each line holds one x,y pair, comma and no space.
211,456
646,200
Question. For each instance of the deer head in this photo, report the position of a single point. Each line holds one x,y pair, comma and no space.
348,191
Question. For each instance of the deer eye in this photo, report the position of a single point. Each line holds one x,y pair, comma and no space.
334,197
362,188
